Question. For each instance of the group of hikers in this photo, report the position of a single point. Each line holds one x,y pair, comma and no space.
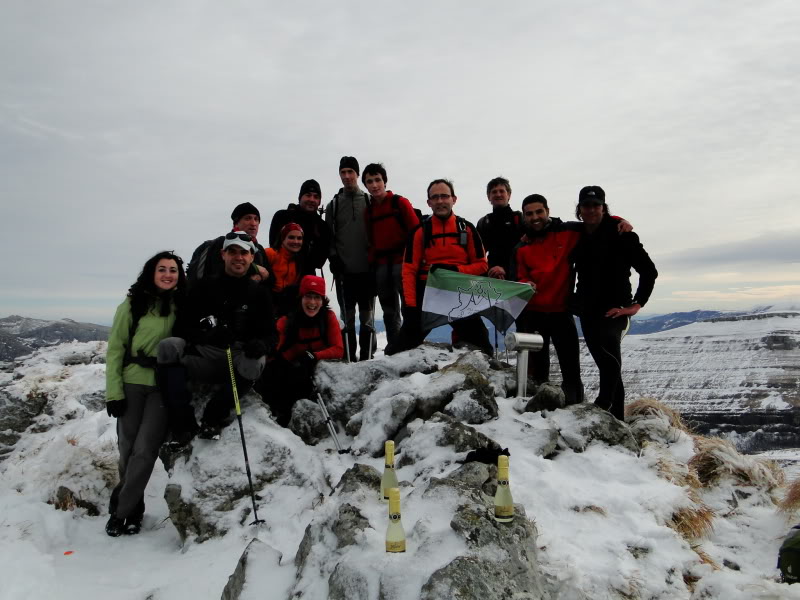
247,316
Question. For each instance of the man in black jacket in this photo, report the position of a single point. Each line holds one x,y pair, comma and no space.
603,260
229,311
316,234
501,229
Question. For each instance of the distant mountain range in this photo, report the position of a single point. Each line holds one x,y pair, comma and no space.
22,335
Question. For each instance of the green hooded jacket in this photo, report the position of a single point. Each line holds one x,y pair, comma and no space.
152,328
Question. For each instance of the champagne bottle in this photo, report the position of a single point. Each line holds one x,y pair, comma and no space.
395,534
503,502
389,479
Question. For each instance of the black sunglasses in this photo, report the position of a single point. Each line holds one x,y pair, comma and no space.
245,237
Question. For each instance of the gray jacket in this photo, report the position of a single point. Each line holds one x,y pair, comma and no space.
345,217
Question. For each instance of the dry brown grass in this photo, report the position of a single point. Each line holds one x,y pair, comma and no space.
791,501
650,407
671,469
715,457
693,522
590,508
704,557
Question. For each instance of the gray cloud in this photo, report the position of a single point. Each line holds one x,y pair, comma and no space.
129,128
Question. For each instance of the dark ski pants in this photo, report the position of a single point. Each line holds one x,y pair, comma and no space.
389,285
603,336
470,330
558,327
140,432
282,384
357,291
209,364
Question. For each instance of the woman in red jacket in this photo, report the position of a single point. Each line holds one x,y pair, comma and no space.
286,268
309,333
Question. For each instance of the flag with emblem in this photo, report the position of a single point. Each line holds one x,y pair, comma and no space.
450,296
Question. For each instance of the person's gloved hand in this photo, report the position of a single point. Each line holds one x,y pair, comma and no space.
254,349
436,266
307,359
221,336
116,408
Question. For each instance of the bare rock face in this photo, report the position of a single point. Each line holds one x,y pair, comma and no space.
502,557
257,556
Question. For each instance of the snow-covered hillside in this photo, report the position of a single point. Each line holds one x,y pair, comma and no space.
611,508
732,374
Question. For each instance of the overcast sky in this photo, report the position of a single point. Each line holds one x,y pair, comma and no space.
131,127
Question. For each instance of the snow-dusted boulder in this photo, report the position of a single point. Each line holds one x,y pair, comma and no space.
546,397
249,580
581,424
208,492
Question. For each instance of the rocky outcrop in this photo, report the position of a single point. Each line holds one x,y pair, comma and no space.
257,557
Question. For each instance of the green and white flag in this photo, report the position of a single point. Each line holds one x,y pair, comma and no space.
450,296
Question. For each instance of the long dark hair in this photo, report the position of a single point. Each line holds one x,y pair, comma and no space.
144,294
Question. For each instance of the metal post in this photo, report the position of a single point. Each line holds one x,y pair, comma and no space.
522,343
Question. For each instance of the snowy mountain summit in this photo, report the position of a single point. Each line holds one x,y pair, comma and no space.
603,509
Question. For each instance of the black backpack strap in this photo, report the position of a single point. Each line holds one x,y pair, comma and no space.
148,362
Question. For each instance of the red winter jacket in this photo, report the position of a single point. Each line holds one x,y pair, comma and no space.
389,222
544,260
309,338
444,248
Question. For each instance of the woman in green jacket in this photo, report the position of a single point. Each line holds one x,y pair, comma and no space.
145,317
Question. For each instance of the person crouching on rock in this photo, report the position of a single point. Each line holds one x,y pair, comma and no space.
308,334
286,268
229,316
144,318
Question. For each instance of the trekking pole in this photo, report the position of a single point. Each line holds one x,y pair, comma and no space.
241,432
340,283
373,336
331,428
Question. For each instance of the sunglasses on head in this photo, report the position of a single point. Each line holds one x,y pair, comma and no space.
245,237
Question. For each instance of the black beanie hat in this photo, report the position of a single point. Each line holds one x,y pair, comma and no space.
349,162
244,209
309,187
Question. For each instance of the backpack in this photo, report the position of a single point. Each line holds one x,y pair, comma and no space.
396,213
197,265
789,557
461,233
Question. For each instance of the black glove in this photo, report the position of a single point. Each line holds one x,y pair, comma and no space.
254,349
116,408
307,359
436,266
336,265
486,455
221,336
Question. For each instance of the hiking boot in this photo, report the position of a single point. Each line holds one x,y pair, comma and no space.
133,525
209,431
115,527
179,439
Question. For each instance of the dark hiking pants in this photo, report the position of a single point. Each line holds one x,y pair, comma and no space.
603,336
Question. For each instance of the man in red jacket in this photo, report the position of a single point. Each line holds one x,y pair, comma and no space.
542,260
442,241
389,218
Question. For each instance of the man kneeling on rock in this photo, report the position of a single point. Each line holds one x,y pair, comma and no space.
309,333
229,312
